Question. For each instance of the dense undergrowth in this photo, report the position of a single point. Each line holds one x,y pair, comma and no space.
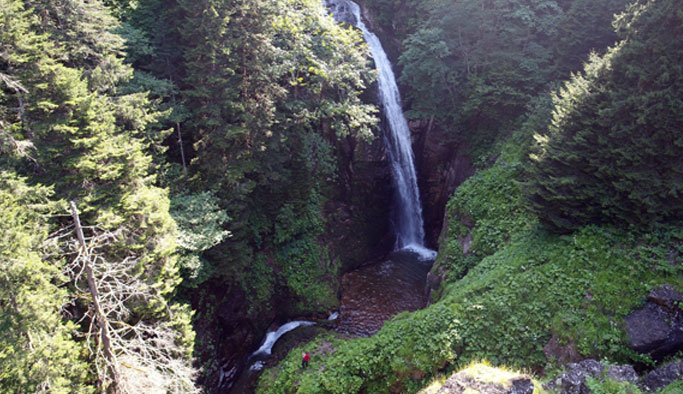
520,286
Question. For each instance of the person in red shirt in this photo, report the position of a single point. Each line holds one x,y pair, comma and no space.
304,360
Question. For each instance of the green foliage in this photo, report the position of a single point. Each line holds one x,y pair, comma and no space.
200,227
612,153
68,123
521,286
306,266
37,352
268,95
489,208
585,27
484,212
473,67
673,388
397,19
608,386
504,310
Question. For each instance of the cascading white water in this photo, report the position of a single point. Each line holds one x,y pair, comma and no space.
273,336
264,351
409,226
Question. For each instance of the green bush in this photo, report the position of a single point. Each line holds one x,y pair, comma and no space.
673,388
608,386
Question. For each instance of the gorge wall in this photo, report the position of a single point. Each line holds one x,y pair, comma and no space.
442,164
356,214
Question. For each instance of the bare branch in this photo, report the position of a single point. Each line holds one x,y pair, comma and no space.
142,355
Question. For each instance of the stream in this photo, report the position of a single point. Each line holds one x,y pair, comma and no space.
370,296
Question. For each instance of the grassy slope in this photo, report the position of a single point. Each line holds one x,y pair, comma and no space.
521,286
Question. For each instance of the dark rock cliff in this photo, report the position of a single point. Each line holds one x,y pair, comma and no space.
442,165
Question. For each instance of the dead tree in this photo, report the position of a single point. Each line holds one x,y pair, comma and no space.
131,354
104,337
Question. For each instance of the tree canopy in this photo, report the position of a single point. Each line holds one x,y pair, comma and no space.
612,152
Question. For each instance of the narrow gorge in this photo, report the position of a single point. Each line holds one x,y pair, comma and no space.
381,288
195,194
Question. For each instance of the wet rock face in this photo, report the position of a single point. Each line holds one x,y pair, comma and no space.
341,11
442,165
663,376
234,334
358,219
574,380
657,328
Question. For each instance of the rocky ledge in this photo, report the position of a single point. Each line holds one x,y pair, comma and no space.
657,327
481,378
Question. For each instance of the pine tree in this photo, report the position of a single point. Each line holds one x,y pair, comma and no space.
38,354
81,134
614,150
585,27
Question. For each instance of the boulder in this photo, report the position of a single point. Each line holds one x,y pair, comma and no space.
622,373
522,386
663,376
574,380
485,379
666,297
657,327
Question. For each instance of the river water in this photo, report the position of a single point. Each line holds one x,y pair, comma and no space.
373,294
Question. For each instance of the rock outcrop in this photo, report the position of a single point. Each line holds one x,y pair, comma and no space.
663,376
574,380
480,378
657,327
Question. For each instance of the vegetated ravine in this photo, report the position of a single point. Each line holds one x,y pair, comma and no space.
379,290
373,294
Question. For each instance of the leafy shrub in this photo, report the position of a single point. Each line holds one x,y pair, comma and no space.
608,386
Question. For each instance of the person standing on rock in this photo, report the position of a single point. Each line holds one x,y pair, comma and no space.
304,360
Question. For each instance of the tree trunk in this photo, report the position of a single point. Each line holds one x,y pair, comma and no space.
105,339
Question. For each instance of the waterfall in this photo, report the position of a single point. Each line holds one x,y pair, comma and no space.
409,226
273,336
266,348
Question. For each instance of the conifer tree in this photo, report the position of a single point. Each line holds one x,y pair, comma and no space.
78,132
614,150
37,352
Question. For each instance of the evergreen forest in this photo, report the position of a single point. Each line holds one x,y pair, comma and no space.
180,177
